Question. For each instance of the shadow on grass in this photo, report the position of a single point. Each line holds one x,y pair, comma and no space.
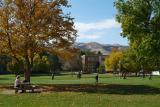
100,88
105,89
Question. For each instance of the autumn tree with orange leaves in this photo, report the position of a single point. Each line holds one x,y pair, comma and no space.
28,27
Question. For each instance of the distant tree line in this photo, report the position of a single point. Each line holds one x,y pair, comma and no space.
44,63
127,62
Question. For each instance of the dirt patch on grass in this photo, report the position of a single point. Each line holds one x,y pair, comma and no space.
7,92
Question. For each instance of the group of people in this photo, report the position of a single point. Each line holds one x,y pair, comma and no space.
18,83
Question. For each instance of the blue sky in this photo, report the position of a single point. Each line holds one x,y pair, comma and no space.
95,21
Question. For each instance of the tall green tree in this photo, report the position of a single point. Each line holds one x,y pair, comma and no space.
28,27
140,22
130,63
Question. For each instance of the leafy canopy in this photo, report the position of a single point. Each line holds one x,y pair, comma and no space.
140,22
28,27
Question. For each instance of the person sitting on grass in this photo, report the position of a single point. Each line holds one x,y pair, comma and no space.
17,82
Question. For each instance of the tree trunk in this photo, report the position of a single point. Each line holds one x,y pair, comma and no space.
27,71
27,75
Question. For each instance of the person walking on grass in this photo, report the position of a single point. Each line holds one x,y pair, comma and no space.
96,77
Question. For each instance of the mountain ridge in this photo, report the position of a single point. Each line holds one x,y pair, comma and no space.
96,47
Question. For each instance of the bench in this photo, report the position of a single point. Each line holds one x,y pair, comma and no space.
25,87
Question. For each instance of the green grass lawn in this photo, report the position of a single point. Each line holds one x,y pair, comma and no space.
111,92
86,79
72,99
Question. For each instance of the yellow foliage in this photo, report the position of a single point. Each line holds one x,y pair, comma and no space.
112,62
33,26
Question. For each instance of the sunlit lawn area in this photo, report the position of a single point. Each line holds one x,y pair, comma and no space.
111,92
74,99
86,79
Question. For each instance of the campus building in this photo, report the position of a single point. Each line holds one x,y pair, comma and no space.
93,63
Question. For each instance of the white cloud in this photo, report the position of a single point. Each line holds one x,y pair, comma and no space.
93,35
100,25
89,36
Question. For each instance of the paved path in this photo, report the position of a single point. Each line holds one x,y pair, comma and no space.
7,92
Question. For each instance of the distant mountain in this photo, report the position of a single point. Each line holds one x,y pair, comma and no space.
95,47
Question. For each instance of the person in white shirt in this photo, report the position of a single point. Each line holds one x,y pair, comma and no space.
17,82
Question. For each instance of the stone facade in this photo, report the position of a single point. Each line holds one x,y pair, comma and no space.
92,63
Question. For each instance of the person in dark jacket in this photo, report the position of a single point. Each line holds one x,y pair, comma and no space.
96,77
